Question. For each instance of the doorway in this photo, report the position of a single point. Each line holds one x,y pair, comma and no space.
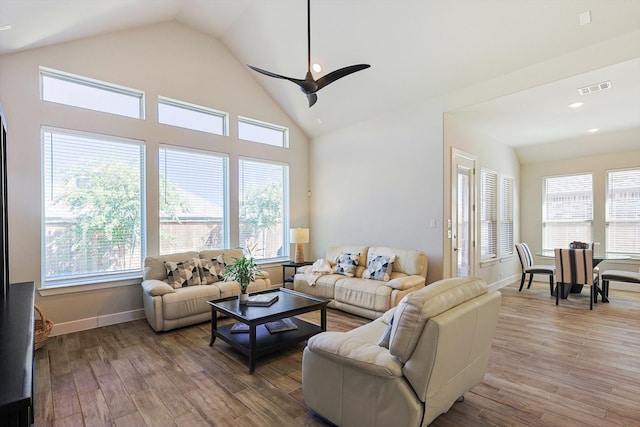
462,228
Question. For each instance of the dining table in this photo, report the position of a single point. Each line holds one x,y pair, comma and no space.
598,257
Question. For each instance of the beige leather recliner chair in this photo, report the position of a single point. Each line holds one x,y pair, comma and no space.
439,347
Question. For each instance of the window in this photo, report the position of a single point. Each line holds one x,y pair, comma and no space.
264,133
506,216
93,207
189,116
623,211
83,92
567,212
193,200
263,205
488,214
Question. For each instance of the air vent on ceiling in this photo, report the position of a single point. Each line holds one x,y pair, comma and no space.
594,88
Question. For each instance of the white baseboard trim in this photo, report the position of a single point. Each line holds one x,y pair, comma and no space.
96,322
624,286
503,282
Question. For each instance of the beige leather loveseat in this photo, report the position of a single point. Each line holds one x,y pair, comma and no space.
169,305
366,290
410,365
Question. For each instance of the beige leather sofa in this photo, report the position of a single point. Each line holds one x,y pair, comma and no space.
168,308
366,297
439,344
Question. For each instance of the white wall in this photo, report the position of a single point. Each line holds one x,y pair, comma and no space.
166,59
380,184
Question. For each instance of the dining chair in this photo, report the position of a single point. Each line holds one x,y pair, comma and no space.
575,267
526,262
617,276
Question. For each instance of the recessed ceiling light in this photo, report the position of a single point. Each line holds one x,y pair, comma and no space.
5,27
576,104
316,67
594,130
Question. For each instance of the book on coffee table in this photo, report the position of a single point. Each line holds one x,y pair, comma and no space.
239,328
281,325
262,300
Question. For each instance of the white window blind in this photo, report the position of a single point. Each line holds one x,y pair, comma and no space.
506,216
264,189
262,132
93,207
567,210
488,214
623,211
193,200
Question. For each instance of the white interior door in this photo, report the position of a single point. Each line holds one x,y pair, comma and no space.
462,227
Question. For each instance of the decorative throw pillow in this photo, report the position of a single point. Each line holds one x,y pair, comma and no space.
211,270
346,264
379,268
181,274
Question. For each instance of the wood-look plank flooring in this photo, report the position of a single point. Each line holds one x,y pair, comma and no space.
550,366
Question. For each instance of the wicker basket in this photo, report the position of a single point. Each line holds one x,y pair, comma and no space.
42,328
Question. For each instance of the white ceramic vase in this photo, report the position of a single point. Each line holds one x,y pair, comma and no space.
243,297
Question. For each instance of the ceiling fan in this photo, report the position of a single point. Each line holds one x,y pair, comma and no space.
309,86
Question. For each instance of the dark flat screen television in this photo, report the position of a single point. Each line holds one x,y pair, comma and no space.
4,224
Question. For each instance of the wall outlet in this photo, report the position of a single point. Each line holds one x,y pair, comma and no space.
433,223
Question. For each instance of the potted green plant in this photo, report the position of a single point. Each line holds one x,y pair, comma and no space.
243,271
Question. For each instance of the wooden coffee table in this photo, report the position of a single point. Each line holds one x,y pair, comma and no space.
259,341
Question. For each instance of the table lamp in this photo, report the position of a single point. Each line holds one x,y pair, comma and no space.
299,236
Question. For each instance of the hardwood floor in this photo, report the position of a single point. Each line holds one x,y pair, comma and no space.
550,366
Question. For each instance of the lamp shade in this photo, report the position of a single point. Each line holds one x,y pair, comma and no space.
299,235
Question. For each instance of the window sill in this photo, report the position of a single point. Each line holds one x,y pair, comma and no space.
272,262
70,289
488,262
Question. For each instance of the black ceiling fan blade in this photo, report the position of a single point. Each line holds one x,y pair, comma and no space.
338,74
299,82
312,97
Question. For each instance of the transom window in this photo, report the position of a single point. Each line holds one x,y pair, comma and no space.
567,212
262,132
83,92
93,207
193,200
263,194
191,116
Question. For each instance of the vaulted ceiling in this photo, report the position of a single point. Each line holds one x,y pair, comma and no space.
418,49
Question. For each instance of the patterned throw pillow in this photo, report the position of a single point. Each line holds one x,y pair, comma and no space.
211,270
181,274
379,268
346,264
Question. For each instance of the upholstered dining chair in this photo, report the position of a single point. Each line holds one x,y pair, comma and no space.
526,261
617,276
575,267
